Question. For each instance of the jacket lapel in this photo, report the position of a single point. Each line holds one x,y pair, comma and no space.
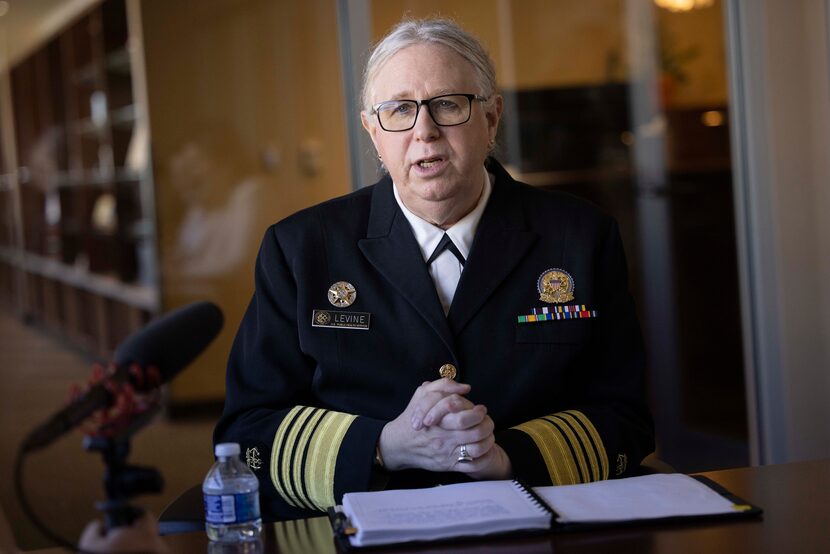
501,241
391,248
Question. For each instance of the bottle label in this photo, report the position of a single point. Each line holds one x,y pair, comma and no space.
231,508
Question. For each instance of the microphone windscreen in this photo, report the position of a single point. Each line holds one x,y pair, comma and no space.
173,340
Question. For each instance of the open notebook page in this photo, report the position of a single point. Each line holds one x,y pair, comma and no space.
645,497
466,509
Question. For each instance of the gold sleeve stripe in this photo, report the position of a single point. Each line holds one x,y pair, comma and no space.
299,449
319,473
283,452
570,447
594,441
277,453
304,456
575,450
549,442
577,425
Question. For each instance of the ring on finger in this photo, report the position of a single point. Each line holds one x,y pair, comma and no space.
463,456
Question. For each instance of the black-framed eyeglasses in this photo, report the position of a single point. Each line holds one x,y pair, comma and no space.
446,110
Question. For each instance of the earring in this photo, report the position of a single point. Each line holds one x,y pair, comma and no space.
380,157
491,144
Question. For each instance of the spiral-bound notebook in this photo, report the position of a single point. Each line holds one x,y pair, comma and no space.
500,507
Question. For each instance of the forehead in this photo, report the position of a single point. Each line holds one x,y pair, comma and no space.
422,71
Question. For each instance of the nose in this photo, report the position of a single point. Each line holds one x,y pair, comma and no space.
426,130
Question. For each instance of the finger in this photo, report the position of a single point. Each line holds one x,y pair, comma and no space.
474,451
420,406
446,386
451,404
429,394
495,464
463,420
474,434
474,420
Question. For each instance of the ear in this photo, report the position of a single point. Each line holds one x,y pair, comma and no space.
494,115
371,127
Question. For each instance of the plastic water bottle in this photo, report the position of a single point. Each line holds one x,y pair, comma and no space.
231,493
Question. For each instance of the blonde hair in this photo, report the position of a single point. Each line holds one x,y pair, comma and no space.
430,31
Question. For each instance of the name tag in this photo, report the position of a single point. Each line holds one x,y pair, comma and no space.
341,320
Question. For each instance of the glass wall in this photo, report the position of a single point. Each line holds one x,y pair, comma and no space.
626,103
623,102
245,108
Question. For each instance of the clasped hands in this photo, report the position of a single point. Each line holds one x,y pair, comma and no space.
428,434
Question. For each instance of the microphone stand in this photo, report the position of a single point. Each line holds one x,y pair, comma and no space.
127,527
122,481
143,361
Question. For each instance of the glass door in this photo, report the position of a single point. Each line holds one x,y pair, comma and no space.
625,102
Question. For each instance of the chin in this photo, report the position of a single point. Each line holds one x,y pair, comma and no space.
433,190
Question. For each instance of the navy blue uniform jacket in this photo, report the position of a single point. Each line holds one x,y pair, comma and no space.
307,404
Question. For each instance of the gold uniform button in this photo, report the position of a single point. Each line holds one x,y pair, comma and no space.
448,371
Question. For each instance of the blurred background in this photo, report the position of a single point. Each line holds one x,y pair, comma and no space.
145,146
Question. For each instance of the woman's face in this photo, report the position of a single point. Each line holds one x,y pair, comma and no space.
430,164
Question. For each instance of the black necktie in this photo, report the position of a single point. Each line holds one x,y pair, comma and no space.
446,244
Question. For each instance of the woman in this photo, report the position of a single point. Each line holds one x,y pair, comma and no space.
447,323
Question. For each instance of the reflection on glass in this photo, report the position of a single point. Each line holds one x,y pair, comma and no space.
625,103
218,231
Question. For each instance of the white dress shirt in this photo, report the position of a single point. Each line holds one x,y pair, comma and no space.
446,270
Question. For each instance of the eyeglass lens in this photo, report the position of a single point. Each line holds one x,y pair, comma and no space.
400,115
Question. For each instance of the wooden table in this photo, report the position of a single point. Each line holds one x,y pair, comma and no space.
796,502
795,498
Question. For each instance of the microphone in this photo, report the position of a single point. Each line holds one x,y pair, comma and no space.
168,343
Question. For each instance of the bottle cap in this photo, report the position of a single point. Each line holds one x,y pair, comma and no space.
226,449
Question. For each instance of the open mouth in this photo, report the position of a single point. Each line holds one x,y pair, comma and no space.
429,162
